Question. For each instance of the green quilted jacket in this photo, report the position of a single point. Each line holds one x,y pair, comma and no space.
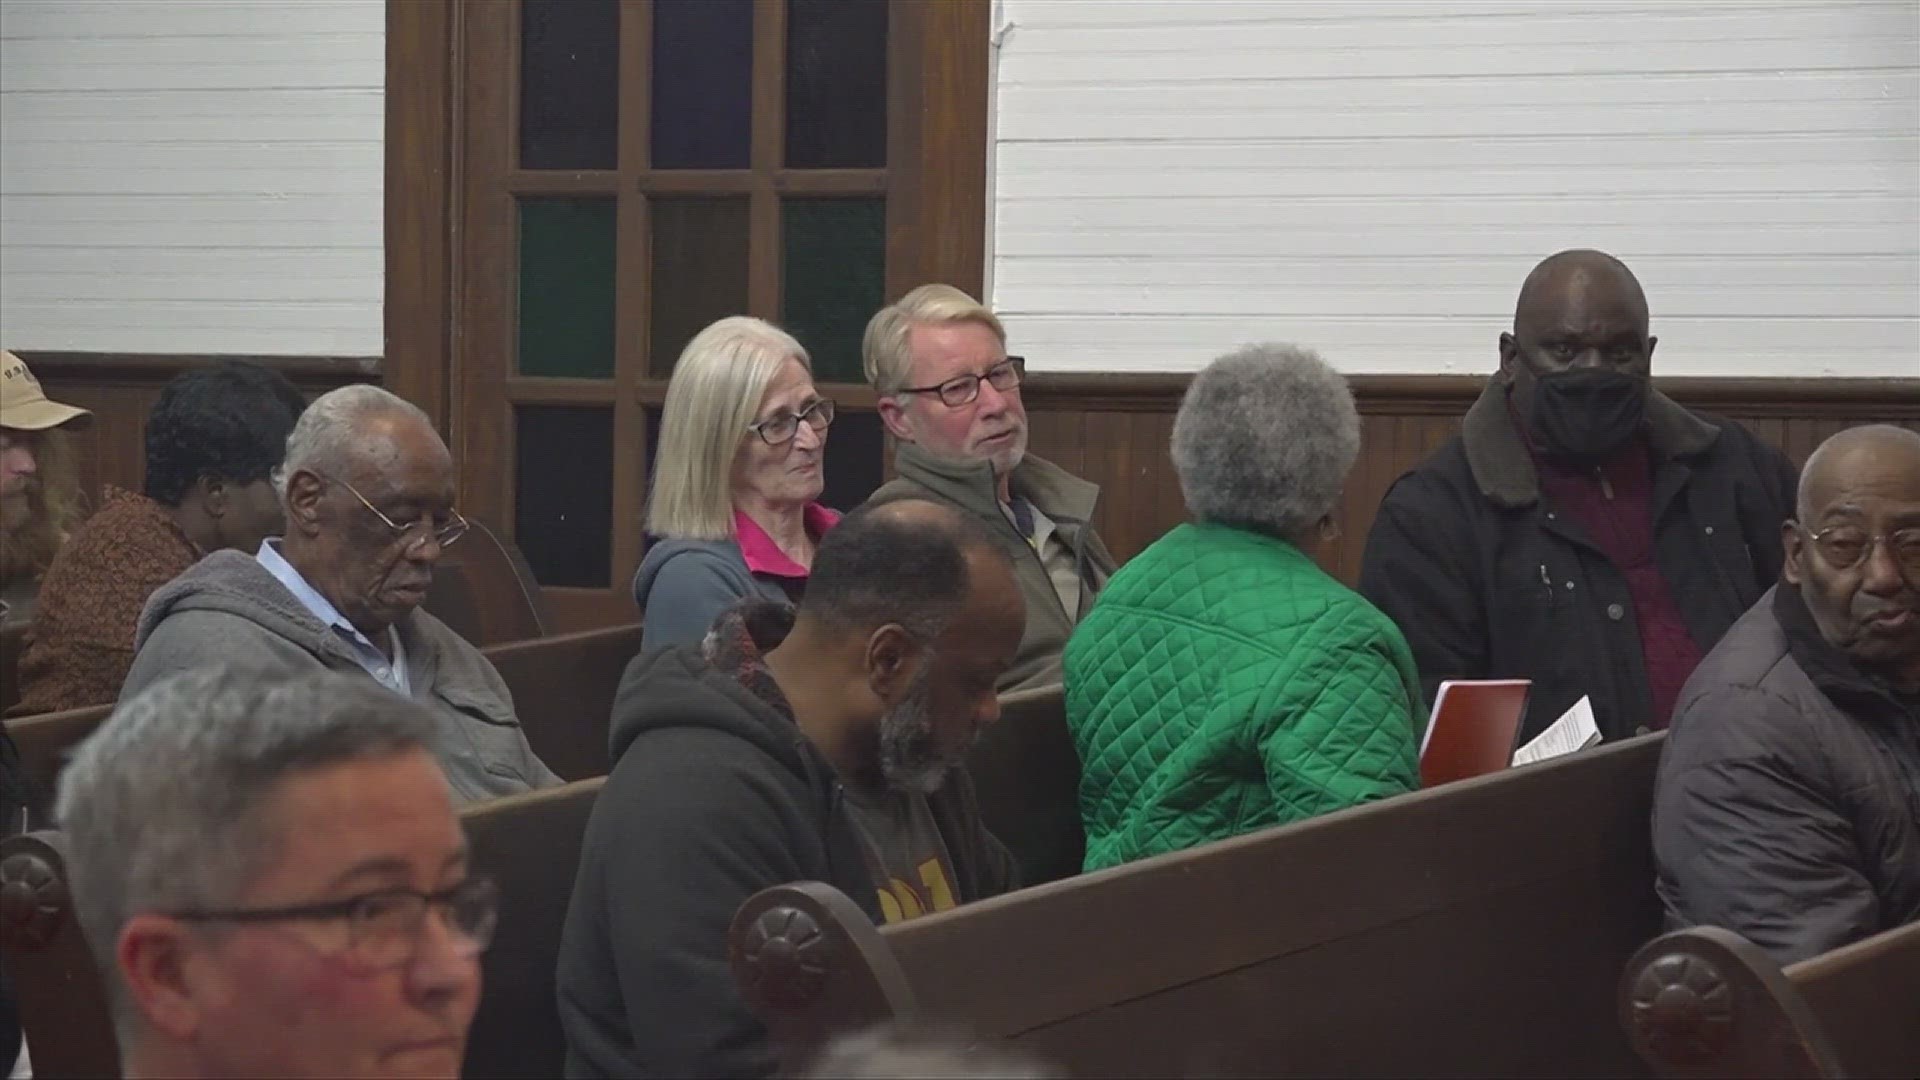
1223,683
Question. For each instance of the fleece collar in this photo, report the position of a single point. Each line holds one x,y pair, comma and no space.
1504,471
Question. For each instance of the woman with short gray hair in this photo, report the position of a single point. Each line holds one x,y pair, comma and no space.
741,461
1223,681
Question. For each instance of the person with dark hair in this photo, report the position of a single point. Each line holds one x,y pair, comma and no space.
817,744
213,440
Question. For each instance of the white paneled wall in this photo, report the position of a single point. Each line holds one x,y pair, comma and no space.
189,176
1375,179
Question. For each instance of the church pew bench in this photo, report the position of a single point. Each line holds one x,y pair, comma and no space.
1026,772
563,689
1706,1002
47,740
531,845
1473,929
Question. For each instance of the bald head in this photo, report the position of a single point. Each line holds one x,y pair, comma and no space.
909,562
1583,281
1837,465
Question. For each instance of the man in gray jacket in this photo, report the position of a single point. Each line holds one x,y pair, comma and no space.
1787,807
368,489
950,394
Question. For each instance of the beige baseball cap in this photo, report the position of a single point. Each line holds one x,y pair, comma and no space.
24,406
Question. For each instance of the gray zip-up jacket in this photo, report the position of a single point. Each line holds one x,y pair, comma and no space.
227,608
1787,808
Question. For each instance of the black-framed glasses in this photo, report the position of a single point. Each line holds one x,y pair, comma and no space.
782,426
963,389
413,533
382,929
1844,546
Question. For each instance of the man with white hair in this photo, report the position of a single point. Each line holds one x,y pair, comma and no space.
950,394
271,877
368,490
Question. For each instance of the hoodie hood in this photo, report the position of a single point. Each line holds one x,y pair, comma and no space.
234,583
663,552
721,685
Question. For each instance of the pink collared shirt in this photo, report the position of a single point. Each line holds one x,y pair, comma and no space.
763,556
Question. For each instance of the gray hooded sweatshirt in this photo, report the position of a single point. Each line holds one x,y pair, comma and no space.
227,608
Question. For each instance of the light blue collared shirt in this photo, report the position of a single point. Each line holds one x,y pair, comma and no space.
391,674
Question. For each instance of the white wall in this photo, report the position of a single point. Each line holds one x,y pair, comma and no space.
1375,179
181,176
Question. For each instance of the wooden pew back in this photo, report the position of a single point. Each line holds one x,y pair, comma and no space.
13,643
483,589
1027,774
47,740
1706,1002
531,845
62,1001
563,691
1473,929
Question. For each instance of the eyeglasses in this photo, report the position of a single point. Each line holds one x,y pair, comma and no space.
413,533
379,930
1844,547
963,389
782,426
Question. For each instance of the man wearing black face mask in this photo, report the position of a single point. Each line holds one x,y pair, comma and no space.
1582,530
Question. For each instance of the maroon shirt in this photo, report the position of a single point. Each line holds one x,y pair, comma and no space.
1614,503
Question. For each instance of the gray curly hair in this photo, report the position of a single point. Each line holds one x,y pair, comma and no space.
1264,440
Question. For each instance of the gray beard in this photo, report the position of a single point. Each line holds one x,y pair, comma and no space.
911,760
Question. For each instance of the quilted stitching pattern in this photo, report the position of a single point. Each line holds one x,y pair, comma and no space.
1223,683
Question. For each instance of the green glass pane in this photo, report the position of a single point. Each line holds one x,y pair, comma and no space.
563,493
699,262
566,287
833,261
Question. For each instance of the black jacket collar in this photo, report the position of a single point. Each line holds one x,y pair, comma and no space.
1503,470
1856,691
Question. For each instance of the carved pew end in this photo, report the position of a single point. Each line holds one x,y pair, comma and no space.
812,966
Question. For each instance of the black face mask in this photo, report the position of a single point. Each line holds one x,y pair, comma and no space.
1583,416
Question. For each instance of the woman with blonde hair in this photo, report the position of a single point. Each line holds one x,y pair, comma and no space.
39,488
740,464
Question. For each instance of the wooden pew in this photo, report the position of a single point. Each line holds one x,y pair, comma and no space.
45,742
13,643
1475,929
530,843
1027,773
1706,1002
63,1003
483,589
563,691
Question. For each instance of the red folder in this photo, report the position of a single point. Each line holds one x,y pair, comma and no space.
1474,727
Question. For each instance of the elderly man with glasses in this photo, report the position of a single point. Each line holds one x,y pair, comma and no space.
368,490
950,394
1788,802
270,874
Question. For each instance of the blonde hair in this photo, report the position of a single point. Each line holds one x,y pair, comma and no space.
883,350
54,506
713,395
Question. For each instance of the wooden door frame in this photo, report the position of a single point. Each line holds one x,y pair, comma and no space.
938,92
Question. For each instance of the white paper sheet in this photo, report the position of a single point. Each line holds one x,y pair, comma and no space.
1575,730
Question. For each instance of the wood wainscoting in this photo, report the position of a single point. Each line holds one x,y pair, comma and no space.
1114,431
120,389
